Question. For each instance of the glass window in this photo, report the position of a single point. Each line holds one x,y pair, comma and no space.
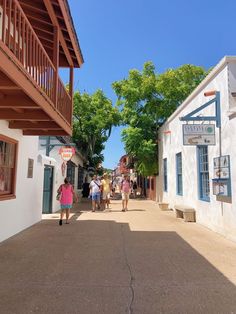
165,174
7,166
179,177
203,173
70,173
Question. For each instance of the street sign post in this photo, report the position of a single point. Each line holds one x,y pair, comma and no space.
198,134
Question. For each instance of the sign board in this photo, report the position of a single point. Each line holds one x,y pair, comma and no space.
221,167
67,153
30,168
221,187
222,182
198,134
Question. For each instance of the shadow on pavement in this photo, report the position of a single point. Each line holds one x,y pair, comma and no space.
103,267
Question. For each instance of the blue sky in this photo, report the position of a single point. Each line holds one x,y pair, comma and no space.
116,36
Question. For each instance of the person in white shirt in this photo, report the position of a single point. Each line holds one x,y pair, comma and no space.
95,192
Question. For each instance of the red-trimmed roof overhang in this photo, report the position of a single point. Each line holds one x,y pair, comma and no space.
44,16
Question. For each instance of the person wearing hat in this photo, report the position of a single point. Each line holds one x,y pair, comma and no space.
95,192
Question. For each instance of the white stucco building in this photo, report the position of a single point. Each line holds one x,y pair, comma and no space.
21,201
54,174
186,172
34,178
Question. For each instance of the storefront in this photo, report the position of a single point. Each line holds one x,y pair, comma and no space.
197,154
57,167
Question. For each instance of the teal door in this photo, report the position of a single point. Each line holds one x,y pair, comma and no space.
47,190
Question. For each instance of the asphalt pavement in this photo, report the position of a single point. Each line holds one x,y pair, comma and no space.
143,261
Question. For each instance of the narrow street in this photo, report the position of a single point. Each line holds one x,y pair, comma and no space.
143,261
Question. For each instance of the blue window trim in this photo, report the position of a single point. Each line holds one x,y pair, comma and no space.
179,174
165,182
201,196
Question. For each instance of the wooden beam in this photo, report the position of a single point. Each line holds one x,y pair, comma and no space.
70,30
29,87
33,7
7,88
45,28
55,22
34,115
44,132
34,125
17,101
42,17
19,110
6,83
56,50
71,86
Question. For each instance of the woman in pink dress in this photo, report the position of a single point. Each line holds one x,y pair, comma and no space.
66,192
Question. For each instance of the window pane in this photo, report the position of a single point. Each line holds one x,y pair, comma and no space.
7,154
5,180
179,174
7,164
203,173
165,174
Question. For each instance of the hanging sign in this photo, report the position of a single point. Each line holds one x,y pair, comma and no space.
221,187
199,134
221,167
67,153
222,180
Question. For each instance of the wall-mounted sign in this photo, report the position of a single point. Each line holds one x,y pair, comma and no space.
30,168
67,153
222,181
198,134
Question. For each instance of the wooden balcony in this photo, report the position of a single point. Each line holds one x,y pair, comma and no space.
32,96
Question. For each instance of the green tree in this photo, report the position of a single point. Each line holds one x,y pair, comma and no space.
93,119
146,100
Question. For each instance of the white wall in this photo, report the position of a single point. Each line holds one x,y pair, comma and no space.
216,215
24,211
56,161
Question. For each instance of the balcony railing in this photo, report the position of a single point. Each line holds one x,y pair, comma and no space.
19,37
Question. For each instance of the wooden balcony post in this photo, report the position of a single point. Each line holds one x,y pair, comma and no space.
55,63
71,87
71,91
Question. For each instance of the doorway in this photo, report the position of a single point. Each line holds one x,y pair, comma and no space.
47,189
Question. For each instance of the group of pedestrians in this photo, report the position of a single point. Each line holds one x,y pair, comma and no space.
100,191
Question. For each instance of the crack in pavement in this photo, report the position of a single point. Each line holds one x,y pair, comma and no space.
132,279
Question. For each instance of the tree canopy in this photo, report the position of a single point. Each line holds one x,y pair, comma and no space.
146,100
93,118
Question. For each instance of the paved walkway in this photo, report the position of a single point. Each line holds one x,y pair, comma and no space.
143,261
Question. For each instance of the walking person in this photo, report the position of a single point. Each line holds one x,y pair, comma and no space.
66,193
125,191
135,187
95,192
106,190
